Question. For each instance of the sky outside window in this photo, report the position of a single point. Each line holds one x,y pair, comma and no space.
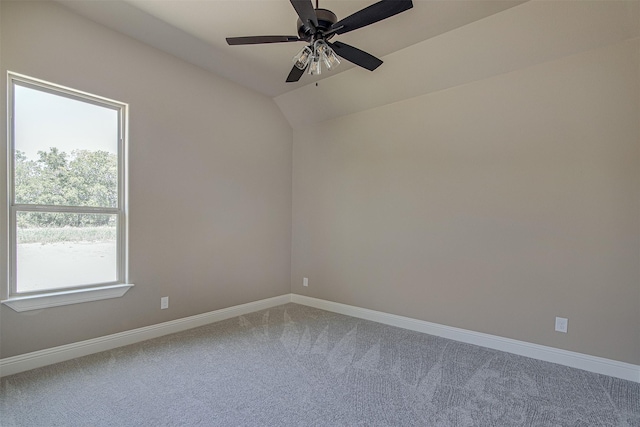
43,120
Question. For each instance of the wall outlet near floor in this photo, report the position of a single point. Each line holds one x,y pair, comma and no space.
164,303
562,324
305,281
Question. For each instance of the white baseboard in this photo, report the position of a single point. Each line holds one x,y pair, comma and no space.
586,362
25,362
37,359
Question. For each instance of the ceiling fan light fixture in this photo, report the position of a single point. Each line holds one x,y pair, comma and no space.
316,26
302,59
321,53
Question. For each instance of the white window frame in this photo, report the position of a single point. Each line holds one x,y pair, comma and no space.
24,301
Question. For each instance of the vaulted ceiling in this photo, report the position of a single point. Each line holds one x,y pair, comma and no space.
196,30
435,45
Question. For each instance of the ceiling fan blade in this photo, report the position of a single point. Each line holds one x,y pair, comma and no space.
233,41
306,12
295,74
355,55
369,15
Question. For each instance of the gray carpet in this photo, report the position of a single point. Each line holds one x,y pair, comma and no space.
297,366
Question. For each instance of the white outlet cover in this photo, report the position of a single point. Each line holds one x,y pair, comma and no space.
562,324
305,281
164,303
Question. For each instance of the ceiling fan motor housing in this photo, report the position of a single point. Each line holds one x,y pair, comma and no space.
326,19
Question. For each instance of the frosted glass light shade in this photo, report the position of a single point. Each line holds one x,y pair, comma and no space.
301,60
315,68
330,58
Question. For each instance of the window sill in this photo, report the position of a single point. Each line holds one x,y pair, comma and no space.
55,299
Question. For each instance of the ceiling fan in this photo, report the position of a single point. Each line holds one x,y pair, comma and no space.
317,26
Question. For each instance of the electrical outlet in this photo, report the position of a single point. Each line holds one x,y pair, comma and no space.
305,281
164,303
562,324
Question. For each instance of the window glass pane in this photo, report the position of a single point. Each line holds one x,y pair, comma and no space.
59,250
66,151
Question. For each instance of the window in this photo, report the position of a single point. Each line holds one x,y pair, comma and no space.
67,217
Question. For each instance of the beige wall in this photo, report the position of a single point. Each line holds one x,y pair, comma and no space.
492,206
210,172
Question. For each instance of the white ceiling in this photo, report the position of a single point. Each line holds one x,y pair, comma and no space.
524,36
439,44
195,31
